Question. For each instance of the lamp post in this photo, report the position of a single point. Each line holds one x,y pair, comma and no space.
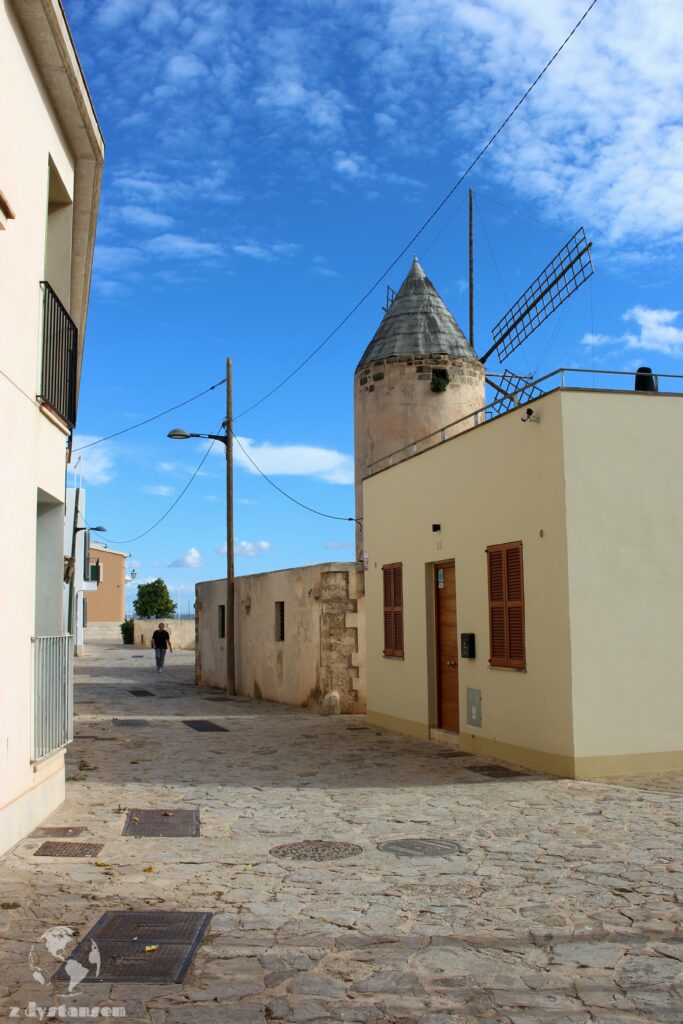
179,434
72,587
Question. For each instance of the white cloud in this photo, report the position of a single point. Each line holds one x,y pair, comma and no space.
167,467
185,67
296,460
599,140
190,560
113,258
657,332
247,548
96,464
265,251
140,216
183,246
160,490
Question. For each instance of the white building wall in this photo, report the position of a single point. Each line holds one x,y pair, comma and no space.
33,457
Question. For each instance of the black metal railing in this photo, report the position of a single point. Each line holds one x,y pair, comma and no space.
60,349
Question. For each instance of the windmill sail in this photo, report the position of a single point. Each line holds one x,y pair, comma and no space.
565,273
512,391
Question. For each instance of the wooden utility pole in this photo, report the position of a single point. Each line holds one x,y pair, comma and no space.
471,268
230,536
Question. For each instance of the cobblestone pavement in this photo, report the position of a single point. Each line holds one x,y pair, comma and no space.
562,904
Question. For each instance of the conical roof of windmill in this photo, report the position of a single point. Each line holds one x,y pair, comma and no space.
417,323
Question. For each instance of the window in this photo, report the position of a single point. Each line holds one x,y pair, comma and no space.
393,610
221,621
506,605
279,621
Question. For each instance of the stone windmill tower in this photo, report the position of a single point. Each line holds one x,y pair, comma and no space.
418,374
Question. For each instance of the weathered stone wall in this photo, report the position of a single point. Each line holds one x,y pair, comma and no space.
323,648
395,406
182,632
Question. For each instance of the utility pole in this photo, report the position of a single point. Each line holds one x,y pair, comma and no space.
471,268
230,536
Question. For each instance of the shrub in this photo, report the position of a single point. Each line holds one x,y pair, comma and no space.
127,631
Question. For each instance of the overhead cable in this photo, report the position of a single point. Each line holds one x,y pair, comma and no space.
425,224
325,515
129,540
151,419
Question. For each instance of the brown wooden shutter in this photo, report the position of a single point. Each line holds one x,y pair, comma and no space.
496,560
393,610
514,602
506,605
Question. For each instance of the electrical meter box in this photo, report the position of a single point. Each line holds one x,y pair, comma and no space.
467,645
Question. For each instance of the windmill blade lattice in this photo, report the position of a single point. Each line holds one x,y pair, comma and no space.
565,273
512,392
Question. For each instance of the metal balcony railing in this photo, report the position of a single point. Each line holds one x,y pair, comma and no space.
60,348
53,694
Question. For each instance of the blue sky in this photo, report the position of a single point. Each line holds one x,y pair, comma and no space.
265,162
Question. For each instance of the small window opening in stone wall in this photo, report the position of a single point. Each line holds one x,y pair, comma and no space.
221,621
440,380
279,621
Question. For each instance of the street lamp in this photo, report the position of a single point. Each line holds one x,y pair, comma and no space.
93,529
180,434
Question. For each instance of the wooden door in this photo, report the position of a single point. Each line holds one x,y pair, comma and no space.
447,646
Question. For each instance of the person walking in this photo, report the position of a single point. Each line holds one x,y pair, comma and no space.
161,642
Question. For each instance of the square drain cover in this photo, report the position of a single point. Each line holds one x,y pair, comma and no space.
139,946
495,771
142,693
454,753
130,721
171,822
63,831
53,849
203,725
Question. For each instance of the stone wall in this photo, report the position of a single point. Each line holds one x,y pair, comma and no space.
182,632
323,646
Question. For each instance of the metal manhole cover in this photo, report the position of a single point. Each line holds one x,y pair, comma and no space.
141,946
419,847
495,771
454,753
203,725
142,693
53,849
45,831
130,721
137,655
316,849
161,823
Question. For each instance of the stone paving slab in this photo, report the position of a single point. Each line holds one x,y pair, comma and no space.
562,904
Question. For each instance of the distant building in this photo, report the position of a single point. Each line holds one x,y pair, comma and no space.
50,171
80,577
108,567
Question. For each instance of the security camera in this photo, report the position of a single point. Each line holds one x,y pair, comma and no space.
530,416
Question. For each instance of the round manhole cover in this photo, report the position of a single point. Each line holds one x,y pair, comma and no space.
316,849
419,847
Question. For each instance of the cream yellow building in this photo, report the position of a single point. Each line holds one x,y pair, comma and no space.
108,602
50,171
560,536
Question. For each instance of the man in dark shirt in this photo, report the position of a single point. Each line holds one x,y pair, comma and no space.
161,642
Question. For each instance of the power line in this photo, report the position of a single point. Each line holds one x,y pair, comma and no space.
325,515
437,209
151,419
129,540
521,213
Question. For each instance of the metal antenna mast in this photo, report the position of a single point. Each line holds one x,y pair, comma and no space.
471,268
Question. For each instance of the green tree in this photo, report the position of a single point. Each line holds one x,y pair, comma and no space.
153,601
